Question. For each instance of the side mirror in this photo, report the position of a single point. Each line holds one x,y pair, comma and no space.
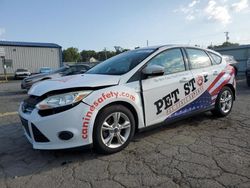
153,70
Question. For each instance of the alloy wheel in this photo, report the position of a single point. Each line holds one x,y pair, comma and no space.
115,130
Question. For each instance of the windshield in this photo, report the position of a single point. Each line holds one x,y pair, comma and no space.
21,70
45,69
121,63
62,69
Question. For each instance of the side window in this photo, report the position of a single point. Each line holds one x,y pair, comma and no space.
198,58
215,58
171,60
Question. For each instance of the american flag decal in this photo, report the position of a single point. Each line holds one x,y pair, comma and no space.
208,97
225,77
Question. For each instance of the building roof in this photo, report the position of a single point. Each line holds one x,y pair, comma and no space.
233,48
29,44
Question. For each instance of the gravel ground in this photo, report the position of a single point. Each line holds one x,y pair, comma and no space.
197,152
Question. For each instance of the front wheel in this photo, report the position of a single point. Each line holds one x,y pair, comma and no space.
114,128
224,102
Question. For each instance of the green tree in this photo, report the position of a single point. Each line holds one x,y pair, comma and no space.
119,49
87,54
224,45
71,55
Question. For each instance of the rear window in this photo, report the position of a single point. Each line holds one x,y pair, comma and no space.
215,58
45,69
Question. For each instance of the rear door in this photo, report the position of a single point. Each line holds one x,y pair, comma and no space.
204,73
162,94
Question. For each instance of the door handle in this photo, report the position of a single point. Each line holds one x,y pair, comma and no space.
184,80
215,73
205,73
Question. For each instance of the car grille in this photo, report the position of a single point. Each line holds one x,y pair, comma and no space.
30,103
38,135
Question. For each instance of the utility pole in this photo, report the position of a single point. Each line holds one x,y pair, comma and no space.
227,36
105,51
147,43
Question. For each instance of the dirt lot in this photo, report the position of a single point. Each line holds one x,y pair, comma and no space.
198,152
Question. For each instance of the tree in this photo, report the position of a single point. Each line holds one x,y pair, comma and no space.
224,45
119,49
71,55
87,54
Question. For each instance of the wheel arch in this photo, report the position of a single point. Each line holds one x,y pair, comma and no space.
127,105
232,88
46,78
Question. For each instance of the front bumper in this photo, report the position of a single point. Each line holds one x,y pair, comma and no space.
22,75
26,85
43,132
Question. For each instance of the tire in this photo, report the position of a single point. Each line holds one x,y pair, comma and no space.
106,133
224,102
45,79
248,81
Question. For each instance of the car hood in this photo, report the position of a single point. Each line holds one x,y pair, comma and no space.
75,81
36,76
23,72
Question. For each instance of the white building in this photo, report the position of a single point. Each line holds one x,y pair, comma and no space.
31,55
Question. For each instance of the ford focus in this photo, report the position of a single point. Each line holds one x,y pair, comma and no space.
127,93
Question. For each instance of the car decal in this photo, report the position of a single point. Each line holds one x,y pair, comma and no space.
201,102
172,102
104,96
208,97
225,77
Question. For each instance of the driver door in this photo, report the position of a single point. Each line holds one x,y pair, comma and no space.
162,93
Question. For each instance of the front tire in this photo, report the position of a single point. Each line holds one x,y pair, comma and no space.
114,128
224,102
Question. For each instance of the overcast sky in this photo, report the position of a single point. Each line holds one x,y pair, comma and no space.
93,24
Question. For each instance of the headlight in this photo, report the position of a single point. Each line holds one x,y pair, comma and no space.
61,100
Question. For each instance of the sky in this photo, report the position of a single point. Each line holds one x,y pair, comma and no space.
99,24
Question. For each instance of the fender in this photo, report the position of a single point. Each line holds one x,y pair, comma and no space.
97,100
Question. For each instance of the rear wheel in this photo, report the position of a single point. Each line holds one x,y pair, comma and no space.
114,128
224,102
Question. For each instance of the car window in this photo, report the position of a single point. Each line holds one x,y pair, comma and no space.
215,58
198,58
21,70
248,63
171,60
62,69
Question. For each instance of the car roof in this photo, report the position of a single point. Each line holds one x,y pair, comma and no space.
177,46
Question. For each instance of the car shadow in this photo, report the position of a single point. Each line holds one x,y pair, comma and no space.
18,158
